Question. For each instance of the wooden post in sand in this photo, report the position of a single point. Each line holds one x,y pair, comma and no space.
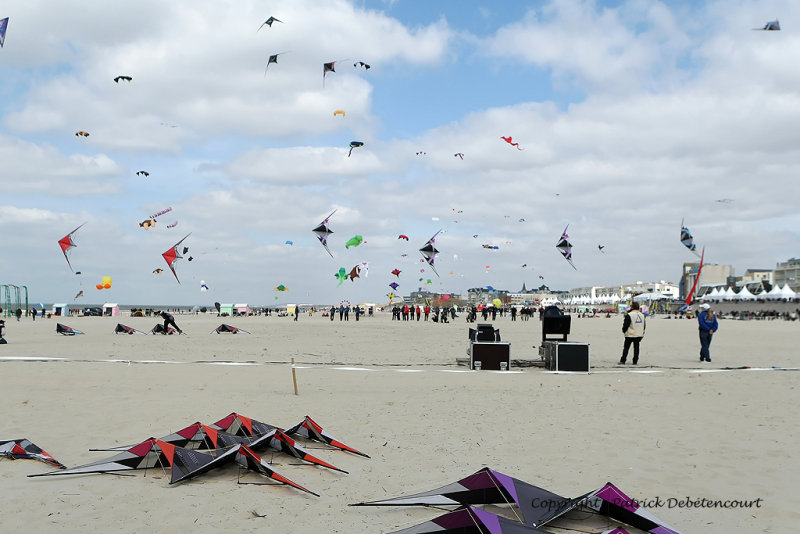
294,377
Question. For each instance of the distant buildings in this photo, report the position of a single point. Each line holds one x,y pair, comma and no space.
788,272
755,280
713,275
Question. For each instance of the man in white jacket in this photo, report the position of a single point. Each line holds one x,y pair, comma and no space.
633,327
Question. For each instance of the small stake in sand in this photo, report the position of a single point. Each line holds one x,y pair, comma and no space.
294,377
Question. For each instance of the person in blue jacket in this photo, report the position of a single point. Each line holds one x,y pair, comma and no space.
707,324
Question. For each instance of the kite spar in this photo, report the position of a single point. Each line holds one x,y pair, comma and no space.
173,254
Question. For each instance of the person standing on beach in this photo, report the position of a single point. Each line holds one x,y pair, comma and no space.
3,333
707,325
18,313
296,312
633,326
33,314
169,320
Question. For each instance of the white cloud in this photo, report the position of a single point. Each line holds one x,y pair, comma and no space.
673,119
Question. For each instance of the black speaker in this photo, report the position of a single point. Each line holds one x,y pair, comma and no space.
492,356
570,356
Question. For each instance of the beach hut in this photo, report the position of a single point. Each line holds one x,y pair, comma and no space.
241,309
110,309
290,309
226,309
61,310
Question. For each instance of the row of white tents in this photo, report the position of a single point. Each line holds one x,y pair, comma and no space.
776,293
717,294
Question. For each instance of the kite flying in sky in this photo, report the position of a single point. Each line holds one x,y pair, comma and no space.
429,252
354,144
361,64
339,112
142,173
269,22
341,275
565,247
354,241
687,239
397,272
160,213
123,78
68,242
510,141
272,59
402,236
772,26
173,254
82,133
354,273
326,68
3,27
322,232
394,285
458,155
148,223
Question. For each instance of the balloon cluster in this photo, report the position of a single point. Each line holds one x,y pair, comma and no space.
105,283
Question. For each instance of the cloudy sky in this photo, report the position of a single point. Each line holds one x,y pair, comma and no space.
631,116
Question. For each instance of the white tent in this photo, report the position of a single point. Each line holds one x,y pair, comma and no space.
728,294
744,294
774,294
787,292
712,295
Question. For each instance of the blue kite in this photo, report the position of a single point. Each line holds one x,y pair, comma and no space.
3,26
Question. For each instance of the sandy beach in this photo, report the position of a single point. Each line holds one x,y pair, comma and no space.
668,428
